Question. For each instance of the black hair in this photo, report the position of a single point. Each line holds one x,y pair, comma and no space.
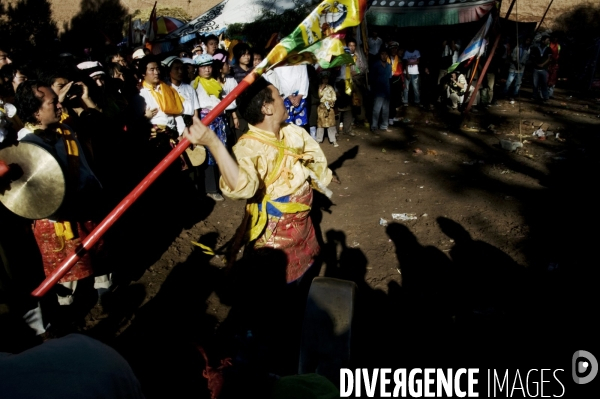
250,102
143,64
167,69
111,54
239,50
211,37
49,75
7,75
113,67
351,40
217,65
27,102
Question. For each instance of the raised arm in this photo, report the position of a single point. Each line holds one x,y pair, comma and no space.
199,134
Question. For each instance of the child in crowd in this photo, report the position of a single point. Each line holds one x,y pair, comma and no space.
325,112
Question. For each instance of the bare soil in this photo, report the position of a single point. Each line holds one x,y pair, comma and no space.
496,270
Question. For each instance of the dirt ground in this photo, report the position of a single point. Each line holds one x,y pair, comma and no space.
496,269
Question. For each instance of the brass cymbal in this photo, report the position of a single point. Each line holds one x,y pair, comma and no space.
34,187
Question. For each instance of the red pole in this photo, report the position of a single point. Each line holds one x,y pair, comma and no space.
116,213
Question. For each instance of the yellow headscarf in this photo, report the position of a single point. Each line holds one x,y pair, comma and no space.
168,99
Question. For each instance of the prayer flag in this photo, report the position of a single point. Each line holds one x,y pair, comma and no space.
328,53
313,40
476,47
152,26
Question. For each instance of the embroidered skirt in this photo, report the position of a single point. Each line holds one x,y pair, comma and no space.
294,234
218,126
55,249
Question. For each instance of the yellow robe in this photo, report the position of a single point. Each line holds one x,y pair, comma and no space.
257,160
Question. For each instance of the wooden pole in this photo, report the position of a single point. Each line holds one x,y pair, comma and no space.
474,71
482,74
487,64
543,16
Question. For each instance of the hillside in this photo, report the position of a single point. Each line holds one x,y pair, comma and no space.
64,10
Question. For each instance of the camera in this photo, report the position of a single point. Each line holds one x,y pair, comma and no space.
75,90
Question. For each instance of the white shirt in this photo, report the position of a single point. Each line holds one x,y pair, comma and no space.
206,101
448,52
160,118
292,80
412,69
190,103
190,98
271,77
374,45
228,86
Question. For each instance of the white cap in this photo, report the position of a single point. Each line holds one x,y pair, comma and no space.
137,54
168,61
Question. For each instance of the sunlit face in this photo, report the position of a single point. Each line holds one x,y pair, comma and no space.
50,109
245,59
205,71
152,75
58,84
256,59
277,108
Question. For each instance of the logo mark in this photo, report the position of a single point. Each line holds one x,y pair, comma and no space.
584,363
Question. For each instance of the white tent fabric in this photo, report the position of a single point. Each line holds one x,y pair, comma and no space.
216,20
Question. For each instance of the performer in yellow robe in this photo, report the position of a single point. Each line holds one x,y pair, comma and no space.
276,166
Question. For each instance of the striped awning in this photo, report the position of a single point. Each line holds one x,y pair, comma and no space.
427,12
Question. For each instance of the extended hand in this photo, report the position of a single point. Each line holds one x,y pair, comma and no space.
62,94
151,113
199,134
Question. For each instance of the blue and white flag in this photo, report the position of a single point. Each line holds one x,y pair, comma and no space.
476,47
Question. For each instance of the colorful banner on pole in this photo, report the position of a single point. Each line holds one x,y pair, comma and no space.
476,47
307,44
328,53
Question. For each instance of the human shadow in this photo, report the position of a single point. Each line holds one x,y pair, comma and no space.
347,155
371,321
489,289
160,343
424,302
263,326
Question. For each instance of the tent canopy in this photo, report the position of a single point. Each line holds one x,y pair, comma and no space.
426,12
216,20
